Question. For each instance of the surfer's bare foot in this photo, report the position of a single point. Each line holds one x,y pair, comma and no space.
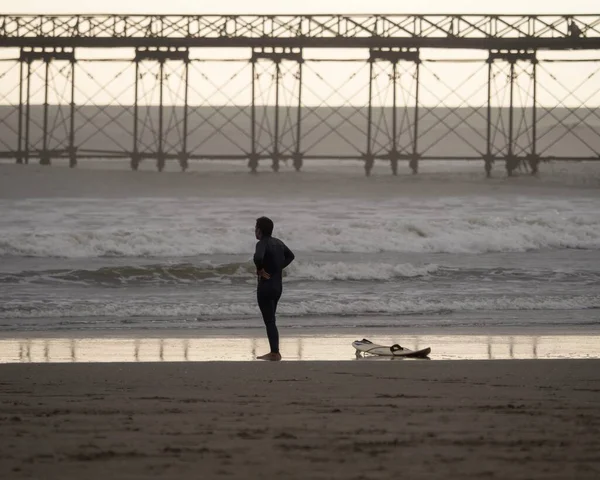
270,356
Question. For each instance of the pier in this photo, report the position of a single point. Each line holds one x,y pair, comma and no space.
268,89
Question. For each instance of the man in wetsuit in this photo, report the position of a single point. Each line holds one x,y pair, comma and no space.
270,257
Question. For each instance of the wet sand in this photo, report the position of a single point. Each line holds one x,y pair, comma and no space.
518,419
231,345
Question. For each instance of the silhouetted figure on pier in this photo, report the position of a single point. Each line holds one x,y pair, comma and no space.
574,30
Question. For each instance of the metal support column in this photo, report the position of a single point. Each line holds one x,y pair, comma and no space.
160,162
183,160
393,56
510,154
72,155
488,158
510,160
157,54
276,149
27,112
394,151
135,158
20,131
44,156
297,153
253,159
275,165
534,159
369,159
414,161
534,113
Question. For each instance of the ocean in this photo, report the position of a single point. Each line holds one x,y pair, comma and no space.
441,253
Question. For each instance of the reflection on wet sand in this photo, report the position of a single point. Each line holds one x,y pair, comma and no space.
139,349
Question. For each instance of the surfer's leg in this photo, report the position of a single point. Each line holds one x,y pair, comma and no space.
267,303
274,330
273,335
276,299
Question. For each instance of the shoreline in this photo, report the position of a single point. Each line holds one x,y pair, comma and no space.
140,347
306,331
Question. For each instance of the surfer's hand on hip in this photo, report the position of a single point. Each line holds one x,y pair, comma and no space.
261,273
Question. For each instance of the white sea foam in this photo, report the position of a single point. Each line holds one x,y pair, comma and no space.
357,271
187,273
338,307
180,228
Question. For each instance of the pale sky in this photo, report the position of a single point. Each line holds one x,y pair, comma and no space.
305,6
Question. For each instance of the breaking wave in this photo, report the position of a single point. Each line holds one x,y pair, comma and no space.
187,273
243,272
336,307
178,229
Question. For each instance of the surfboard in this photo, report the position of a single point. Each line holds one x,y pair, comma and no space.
366,346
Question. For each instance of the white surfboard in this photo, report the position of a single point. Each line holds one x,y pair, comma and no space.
366,346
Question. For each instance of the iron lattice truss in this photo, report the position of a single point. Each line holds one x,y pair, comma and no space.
302,31
396,103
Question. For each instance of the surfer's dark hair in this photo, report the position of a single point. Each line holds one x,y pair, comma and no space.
265,225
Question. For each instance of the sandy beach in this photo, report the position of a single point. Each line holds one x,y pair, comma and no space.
353,420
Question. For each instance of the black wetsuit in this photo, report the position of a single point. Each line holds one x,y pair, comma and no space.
273,256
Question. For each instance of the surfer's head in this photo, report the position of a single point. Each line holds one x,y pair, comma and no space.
264,227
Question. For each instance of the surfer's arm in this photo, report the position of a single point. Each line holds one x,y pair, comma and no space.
259,255
288,256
